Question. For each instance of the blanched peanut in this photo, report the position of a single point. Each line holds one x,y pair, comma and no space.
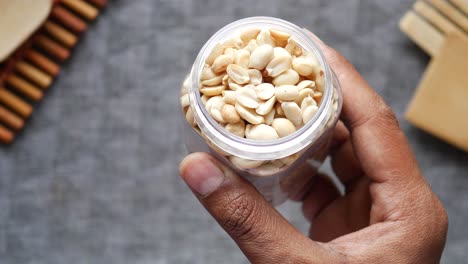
278,51
270,117
265,107
265,91
291,46
269,169
262,132
184,100
235,42
245,164
222,62
261,56
279,35
242,58
238,74
229,114
308,101
249,34
216,100
249,115
247,97
189,117
279,110
303,94
251,46
320,82
213,81
306,84
292,112
290,159
233,85
187,85
278,65
290,77
256,77
318,97
229,97
205,99
283,127
309,113
230,51
237,129
215,53
265,38
286,93
212,90
306,65
207,73
215,110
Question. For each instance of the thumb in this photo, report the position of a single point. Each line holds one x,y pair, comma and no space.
258,229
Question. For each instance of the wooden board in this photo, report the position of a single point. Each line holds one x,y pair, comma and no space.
430,21
440,105
18,20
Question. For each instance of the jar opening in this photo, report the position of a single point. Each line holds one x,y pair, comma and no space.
252,149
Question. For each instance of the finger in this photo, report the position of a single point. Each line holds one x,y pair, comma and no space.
344,215
379,143
322,193
258,229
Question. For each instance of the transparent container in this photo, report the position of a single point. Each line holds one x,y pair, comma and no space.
289,163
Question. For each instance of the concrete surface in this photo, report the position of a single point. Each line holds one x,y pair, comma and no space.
93,178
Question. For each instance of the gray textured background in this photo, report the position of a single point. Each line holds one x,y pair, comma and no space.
93,178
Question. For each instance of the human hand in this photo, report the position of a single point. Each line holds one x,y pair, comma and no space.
388,214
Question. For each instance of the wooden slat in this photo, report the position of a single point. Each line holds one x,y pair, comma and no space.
34,74
68,19
436,18
422,33
42,62
14,103
98,3
10,119
6,136
450,11
53,48
81,7
24,87
60,34
462,4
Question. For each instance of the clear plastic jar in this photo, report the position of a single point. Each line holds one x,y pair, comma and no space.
280,168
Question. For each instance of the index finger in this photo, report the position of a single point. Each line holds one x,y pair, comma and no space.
379,144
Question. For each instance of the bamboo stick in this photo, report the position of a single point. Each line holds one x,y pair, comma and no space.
34,74
6,136
81,7
68,19
24,87
14,103
60,33
10,119
52,47
98,3
42,62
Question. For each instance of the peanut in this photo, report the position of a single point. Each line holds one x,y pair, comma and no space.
265,91
237,129
247,97
262,132
256,77
222,62
229,114
283,127
261,56
242,58
288,77
287,93
265,107
238,74
292,112
265,38
249,115
249,34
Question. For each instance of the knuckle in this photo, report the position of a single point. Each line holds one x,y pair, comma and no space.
239,217
387,116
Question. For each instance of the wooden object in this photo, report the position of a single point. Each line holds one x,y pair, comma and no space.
440,104
30,69
431,21
14,28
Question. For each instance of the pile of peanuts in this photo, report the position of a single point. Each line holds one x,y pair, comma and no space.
260,85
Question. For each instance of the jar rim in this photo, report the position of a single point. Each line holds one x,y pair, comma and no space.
252,149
